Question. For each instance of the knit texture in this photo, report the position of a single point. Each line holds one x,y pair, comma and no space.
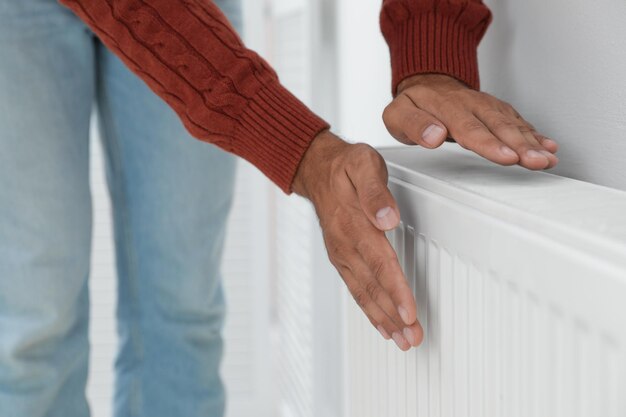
434,36
188,54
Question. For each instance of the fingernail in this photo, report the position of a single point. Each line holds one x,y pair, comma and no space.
551,157
400,341
383,333
547,141
409,336
387,218
404,314
506,151
432,134
534,154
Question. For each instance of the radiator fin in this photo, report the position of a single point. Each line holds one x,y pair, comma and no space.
492,348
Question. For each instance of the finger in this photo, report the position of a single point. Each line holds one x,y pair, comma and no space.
472,134
546,142
518,136
381,259
467,130
376,292
374,313
412,333
368,174
531,137
411,125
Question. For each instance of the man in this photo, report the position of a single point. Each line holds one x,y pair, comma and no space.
171,196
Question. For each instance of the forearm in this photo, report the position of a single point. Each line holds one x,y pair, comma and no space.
188,54
434,36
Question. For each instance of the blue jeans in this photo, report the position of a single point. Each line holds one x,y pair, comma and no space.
171,195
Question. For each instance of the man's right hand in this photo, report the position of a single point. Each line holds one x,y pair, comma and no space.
347,184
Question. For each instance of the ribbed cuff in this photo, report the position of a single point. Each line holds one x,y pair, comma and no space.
274,132
433,43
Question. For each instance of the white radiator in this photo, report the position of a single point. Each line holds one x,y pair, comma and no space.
520,280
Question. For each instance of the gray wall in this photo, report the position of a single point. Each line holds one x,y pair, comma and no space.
562,63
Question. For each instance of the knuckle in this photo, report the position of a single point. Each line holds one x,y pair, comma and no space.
378,267
524,128
366,157
365,247
382,264
447,104
370,155
507,107
503,123
471,125
373,289
388,114
335,249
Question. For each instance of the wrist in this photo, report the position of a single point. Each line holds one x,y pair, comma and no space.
316,165
430,79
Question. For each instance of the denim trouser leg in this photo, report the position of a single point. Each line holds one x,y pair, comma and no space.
46,95
171,195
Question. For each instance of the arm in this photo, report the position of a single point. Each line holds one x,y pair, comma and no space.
188,54
435,84
186,51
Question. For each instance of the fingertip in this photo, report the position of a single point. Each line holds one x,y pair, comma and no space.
419,334
387,219
407,317
434,135
549,144
536,160
400,341
383,332
552,159
414,334
509,156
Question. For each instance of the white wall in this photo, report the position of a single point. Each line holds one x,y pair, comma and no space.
364,73
561,63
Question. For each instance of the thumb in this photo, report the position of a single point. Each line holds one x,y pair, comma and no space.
412,125
369,178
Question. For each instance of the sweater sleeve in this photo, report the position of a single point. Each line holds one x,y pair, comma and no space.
434,36
187,53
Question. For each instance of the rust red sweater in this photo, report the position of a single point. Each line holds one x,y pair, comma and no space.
188,54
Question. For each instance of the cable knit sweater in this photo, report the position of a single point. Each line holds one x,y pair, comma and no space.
188,54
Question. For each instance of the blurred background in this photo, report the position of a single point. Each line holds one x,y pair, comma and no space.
560,63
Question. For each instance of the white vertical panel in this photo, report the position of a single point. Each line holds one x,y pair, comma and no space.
102,291
291,52
245,270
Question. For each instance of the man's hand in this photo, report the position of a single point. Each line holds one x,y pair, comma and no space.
348,187
430,108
